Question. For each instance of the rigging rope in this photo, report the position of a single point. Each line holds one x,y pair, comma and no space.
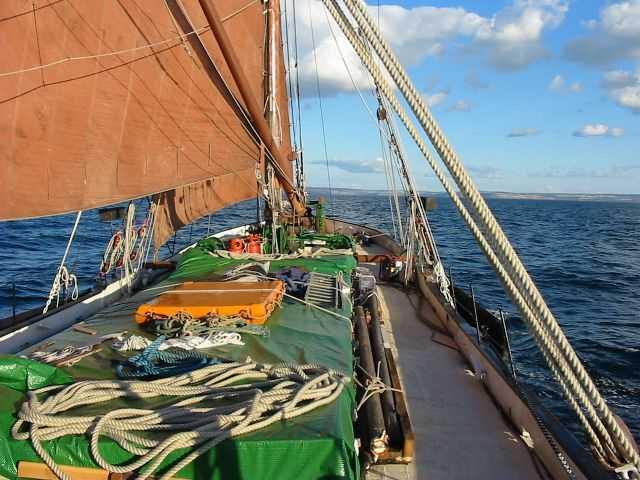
396,151
63,279
319,91
579,380
287,43
551,340
382,133
542,341
275,393
134,245
294,95
298,94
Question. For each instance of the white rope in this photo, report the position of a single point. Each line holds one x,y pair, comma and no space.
373,386
64,279
58,355
548,335
578,380
130,250
189,342
258,276
130,344
194,342
275,393
130,238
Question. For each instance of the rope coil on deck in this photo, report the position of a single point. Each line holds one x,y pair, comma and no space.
183,324
607,436
275,393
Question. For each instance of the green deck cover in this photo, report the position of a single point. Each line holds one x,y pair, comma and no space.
318,445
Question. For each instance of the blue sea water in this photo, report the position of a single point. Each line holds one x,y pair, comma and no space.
584,257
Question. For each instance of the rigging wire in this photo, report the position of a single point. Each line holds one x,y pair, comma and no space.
293,94
420,228
554,345
298,91
387,173
385,134
324,133
289,79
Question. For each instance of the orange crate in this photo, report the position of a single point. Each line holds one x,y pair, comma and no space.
251,300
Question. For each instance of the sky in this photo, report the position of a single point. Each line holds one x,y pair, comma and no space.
534,95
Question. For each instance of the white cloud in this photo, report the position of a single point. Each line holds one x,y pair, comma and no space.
622,19
598,130
508,40
557,83
615,36
355,166
628,97
624,88
514,34
436,98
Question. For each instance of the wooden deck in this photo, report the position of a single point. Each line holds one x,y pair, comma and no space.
460,433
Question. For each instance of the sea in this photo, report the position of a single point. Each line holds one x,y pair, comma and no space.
583,253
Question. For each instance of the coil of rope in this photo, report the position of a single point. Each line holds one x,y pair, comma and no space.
183,324
130,246
275,393
154,363
63,279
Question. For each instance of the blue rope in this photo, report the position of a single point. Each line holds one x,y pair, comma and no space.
152,363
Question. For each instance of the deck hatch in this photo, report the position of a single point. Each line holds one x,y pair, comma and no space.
251,300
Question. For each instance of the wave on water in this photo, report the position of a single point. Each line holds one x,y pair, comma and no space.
584,256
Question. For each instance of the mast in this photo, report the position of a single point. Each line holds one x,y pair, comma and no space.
256,113
273,24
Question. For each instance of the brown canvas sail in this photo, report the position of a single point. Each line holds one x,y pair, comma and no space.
184,205
110,100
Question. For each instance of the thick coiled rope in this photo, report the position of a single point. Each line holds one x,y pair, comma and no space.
556,349
207,406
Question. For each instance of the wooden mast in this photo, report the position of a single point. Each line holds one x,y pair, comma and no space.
252,104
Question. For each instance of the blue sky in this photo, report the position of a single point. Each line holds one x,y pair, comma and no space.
535,95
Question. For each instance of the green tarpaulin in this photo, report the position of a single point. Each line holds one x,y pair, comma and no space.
318,445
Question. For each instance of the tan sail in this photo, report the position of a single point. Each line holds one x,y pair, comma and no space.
184,205
106,101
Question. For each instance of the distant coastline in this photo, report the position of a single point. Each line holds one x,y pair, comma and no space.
576,197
